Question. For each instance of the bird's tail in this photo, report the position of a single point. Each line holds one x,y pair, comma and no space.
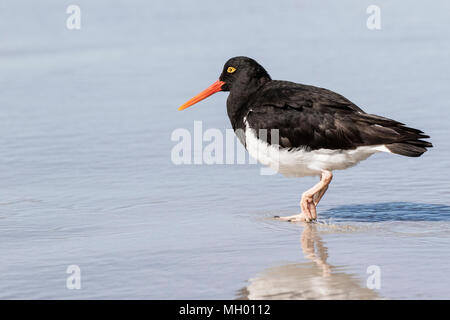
412,148
397,137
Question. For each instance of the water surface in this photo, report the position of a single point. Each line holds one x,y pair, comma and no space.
86,176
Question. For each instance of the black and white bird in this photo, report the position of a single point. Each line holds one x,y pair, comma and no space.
317,130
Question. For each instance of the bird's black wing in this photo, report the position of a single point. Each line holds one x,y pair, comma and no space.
298,96
315,118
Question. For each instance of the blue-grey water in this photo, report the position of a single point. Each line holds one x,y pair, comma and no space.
86,176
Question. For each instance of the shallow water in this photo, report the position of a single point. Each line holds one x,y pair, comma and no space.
86,176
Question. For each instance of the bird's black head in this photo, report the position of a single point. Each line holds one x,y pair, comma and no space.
239,74
242,72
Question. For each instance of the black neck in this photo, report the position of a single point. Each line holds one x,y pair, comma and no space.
238,101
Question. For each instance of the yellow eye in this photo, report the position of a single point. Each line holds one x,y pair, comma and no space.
231,69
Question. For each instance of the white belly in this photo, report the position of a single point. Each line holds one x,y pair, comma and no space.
302,162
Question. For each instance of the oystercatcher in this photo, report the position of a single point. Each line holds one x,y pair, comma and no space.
318,130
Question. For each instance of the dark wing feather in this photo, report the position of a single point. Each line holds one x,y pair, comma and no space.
298,96
315,118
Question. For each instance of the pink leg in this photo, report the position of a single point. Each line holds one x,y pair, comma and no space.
311,198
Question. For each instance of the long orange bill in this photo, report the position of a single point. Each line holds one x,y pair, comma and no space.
215,87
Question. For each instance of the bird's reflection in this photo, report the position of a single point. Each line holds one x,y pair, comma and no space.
310,241
311,280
